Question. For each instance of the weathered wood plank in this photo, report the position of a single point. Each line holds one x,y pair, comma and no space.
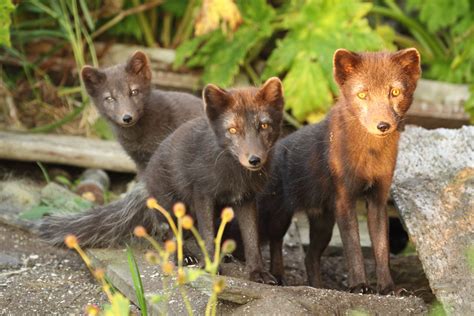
68,150
433,189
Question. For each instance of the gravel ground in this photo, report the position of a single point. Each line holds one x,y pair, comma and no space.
36,279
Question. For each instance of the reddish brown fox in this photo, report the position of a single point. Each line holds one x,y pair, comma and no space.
323,169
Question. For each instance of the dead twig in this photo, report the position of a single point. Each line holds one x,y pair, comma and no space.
123,14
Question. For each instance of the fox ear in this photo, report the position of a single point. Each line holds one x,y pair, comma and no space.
216,100
92,78
139,65
272,93
345,63
409,59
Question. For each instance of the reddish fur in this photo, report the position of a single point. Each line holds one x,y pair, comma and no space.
322,169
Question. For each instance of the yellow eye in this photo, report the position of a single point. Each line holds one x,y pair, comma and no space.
362,95
232,130
264,125
395,92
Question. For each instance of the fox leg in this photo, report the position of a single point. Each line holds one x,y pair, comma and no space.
203,208
377,220
321,227
247,218
346,220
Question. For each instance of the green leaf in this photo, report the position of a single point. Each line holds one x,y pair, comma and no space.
315,30
438,14
306,81
36,212
6,8
222,55
137,281
102,129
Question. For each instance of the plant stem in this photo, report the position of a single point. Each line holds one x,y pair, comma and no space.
166,31
123,14
426,39
184,24
290,119
252,74
145,26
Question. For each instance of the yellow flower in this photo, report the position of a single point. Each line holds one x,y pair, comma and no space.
187,222
170,246
229,246
71,241
92,310
218,286
179,210
167,268
227,214
152,203
140,231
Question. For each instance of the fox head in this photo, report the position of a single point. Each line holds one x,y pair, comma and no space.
246,121
377,87
120,92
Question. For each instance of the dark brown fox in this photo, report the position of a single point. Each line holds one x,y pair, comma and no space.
141,118
222,161
323,168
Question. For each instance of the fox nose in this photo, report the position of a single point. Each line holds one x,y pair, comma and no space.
383,126
254,160
127,118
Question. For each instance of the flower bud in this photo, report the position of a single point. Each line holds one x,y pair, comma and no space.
70,241
187,222
218,286
170,246
140,231
152,257
151,203
179,210
227,214
167,268
228,246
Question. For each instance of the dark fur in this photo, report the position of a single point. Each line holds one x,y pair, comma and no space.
323,168
155,114
205,166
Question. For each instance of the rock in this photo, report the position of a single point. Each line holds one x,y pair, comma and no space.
433,188
242,297
9,261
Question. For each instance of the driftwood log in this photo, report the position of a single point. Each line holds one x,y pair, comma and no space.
68,150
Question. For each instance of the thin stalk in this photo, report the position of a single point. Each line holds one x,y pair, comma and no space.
290,119
184,24
166,31
202,245
145,26
416,29
66,119
252,74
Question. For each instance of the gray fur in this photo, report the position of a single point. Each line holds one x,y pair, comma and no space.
107,226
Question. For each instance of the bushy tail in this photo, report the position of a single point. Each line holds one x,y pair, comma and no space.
108,225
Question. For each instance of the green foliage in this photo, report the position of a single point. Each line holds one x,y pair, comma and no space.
66,205
137,281
222,54
309,31
6,8
444,33
319,28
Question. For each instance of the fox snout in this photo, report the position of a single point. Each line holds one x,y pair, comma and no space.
252,162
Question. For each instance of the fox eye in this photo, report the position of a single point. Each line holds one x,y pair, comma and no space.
134,92
109,99
232,130
264,125
395,92
362,95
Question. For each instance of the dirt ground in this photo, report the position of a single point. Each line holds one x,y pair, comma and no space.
36,279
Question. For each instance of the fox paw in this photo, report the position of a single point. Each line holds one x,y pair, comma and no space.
281,280
263,277
362,288
190,260
402,292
